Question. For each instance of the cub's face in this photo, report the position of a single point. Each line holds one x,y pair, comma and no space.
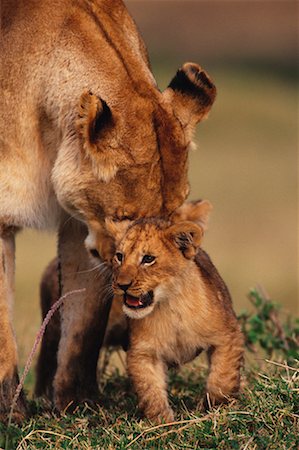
151,253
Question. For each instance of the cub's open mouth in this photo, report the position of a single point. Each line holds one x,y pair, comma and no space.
138,302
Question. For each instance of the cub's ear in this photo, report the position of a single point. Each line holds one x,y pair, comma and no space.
117,230
186,236
197,211
94,117
192,94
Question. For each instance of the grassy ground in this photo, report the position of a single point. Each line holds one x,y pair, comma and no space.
265,417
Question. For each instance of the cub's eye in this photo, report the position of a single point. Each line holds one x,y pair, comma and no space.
94,253
148,259
119,257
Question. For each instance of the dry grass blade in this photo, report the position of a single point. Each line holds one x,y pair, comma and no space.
38,338
178,430
285,366
29,435
164,425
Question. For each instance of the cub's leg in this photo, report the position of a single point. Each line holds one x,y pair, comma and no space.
83,319
149,379
225,364
8,351
47,359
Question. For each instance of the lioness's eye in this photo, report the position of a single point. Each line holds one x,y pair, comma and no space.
94,253
119,256
148,259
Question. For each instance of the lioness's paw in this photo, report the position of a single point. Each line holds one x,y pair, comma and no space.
68,405
7,391
68,397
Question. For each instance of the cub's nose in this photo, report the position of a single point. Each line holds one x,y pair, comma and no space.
124,287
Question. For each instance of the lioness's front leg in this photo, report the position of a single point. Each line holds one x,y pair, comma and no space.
83,319
148,374
8,355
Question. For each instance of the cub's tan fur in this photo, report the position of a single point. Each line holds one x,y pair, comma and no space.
85,133
178,305
191,310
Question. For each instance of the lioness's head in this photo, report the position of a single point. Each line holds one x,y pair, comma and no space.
152,252
127,157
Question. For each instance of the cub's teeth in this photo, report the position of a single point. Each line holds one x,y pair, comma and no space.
132,301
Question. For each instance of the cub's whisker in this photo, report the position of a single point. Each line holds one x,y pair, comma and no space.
98,267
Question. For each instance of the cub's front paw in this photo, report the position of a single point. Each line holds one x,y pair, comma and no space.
211,400
164,416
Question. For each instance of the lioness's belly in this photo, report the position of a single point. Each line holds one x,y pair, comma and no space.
27,198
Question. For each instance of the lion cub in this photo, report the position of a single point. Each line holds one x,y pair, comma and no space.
177,304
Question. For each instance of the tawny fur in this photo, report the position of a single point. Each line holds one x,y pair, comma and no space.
192,310
116,333
84,130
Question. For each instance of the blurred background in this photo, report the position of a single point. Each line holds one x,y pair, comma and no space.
246,162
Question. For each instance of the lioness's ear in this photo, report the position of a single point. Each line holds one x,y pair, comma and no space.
192,94
197,211
117,229
94,116
186,236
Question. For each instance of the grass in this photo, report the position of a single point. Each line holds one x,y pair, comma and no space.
266,416
265,329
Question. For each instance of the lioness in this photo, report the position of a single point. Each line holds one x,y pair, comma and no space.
177,305
85,134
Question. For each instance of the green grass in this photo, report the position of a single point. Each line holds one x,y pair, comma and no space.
265,417
266,330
